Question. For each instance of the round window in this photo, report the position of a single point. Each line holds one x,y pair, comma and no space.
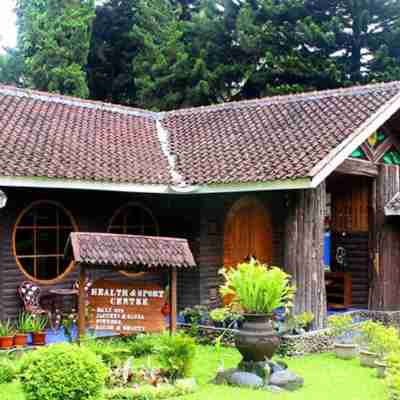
39,238
133,219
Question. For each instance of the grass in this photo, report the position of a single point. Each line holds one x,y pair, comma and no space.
326,378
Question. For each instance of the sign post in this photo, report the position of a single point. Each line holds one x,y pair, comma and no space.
82,302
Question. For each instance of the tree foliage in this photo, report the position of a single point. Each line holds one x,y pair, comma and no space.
165,54
54,38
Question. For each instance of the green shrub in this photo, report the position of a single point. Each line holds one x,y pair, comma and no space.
258,288
176,354
143,345
392,380
62,372
112,353
378,338
148,392
8,370
340,325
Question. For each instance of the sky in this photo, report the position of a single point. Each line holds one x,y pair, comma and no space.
7,23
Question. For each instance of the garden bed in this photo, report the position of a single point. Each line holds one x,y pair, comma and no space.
322,372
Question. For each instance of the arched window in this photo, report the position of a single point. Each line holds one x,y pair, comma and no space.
133,219
39,238
248,232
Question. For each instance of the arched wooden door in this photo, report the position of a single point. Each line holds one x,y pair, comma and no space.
248,232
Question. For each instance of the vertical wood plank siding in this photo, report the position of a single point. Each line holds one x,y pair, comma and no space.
357,259
385,292
92,211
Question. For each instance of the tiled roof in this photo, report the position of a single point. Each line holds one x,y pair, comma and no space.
269,139
393,207
44,135
124,251
263,140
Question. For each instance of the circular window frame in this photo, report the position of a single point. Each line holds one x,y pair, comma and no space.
116,214
21,214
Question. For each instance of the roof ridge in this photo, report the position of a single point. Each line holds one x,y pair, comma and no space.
75,101
289,98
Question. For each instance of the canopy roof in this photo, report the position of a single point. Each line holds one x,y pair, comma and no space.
393,206
127,251
281,142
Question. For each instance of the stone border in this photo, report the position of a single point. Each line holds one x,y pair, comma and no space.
295,345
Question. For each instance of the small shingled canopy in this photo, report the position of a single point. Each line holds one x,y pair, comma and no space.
128,252
393,206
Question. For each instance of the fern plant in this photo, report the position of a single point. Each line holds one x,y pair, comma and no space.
257,288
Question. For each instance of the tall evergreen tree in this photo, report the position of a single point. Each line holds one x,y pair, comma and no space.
113,48
54,38
184,62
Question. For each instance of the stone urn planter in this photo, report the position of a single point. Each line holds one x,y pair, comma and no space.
380,369
368,359
345,351
257,340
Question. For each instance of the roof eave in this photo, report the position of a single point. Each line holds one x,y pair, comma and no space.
56,183
338,155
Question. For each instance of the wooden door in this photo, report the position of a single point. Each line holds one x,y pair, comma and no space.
248,232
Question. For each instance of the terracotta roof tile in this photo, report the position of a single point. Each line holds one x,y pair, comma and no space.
269,139
263,140
51,136
124,251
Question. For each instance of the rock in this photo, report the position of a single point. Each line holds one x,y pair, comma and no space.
260,368
245,379
273,389
286,380
277,366
223,376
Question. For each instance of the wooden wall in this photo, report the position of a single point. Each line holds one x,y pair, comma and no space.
385,291
92,211
350,230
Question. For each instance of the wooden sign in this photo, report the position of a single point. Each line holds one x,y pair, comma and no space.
126,308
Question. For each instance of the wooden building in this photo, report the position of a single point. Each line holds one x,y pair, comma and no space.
264,178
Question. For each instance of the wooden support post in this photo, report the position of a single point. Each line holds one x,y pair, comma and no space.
82,302
304,234
384,290
173,299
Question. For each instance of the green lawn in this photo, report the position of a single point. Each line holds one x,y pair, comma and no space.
325,377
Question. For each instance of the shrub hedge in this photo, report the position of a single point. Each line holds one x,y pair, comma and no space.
62,372
8,370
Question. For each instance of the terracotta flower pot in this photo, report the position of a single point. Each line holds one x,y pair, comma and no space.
367,359
39,338
6,342
345,351
20,340
257,340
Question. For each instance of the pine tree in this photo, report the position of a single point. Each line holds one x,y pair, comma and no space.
112,51
54,38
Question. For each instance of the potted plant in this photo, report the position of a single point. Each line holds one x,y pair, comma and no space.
38,326
342,329
218,317
6,335
259,290
195,315
371,346
24,328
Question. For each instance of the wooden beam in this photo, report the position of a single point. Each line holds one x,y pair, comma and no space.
353,166
304,235
82,303
173,299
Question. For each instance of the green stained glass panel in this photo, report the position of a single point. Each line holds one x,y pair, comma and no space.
358,153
